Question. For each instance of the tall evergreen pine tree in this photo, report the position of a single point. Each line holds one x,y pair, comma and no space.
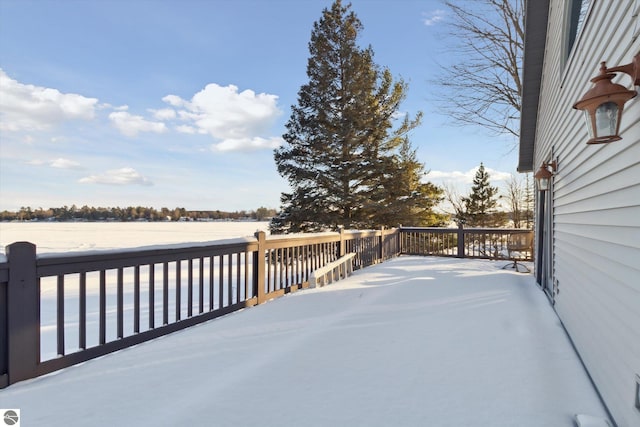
340,145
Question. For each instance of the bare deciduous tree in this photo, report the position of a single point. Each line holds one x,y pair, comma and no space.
519,201
484,87
529,200
515,197
456,208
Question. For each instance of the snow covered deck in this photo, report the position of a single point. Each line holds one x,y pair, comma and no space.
415,341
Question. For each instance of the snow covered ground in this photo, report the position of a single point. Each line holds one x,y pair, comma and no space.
411,342
53,237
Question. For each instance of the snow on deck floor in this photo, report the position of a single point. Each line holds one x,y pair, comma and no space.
411,342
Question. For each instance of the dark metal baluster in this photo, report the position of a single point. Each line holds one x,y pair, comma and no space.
297,260
303,263
296,257
165,293
120,303
238,287
102,324
201,286
190,288
246,277
178,289
60,320
221,281
136,299
287,272
230,280
82,311
152,299
309,260
211,284
283,260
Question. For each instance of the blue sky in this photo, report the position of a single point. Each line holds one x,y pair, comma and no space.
180,103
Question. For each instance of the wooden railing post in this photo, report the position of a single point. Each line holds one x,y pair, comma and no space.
460,240
259,267
343,244
23,312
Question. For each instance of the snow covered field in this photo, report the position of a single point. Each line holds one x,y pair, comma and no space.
82,236
411,342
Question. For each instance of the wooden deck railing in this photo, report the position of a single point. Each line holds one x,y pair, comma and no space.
487,243
58,310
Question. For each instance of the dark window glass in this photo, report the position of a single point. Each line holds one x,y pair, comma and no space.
577,13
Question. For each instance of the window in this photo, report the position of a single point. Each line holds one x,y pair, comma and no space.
576,14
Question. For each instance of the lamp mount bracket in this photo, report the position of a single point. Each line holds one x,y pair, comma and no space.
632,69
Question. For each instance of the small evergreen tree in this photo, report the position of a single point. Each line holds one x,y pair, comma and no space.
480,205
339,151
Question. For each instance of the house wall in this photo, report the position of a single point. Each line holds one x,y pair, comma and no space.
596,201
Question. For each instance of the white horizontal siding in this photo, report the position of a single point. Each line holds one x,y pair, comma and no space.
622,217
596,194
625,239
618,198
585,169
601,347
577,249
595,299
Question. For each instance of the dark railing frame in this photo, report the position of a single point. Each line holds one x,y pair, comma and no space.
262,268
483,243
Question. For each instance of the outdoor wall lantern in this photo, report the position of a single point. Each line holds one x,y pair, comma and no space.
544,174
604,102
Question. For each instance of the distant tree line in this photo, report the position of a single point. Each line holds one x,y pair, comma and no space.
138,213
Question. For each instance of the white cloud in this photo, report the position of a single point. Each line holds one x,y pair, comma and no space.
459,177
255,143
186,129
131,125
174,100
237,120
455,176
164,114
123,176
432,18
59,163
495,175
29,107
64,164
